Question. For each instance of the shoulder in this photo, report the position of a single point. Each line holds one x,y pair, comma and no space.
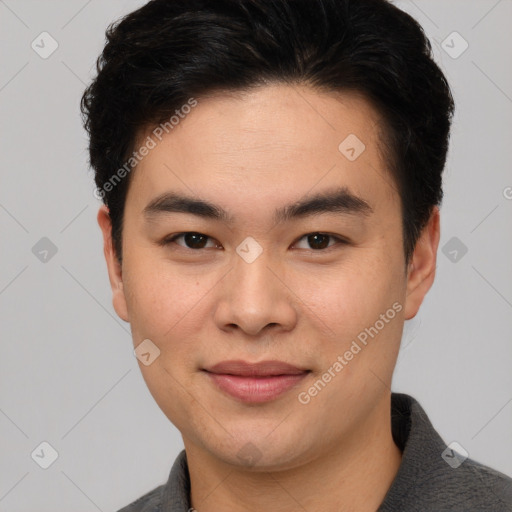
475,486
173,495
435,477
150,502
469,487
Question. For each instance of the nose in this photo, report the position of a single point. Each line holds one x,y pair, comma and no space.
255,298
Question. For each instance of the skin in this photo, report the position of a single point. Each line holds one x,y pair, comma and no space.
250,154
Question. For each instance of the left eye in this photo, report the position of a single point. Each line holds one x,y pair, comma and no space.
192,240
318,241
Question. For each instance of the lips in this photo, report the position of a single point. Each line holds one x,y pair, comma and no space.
255,382
262,369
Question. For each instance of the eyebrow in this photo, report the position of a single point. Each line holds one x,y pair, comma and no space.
340,201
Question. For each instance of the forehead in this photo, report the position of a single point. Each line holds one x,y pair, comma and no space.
272,141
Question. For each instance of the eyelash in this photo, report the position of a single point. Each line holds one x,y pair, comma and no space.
172,238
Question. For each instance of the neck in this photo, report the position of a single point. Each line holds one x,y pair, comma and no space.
353,475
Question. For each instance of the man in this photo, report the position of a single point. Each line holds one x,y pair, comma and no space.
271,173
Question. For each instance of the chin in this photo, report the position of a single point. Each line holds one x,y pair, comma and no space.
259,453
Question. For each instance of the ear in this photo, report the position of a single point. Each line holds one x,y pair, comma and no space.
422,267
113,265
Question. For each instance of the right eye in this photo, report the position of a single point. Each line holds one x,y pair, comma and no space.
191,240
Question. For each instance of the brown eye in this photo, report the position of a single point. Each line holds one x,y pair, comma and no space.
319,241
191,240
195,240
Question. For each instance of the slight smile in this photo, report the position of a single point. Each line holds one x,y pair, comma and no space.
255,382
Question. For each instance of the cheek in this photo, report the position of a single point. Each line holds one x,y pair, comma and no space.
160,299
352,296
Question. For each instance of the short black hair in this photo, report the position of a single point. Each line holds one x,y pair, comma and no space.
159,57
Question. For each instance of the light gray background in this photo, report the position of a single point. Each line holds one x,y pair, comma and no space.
67,370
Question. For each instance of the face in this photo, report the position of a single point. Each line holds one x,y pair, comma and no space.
296,262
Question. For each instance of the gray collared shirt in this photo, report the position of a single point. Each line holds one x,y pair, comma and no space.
431,477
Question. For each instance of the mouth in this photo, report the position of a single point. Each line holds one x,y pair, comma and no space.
255,382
